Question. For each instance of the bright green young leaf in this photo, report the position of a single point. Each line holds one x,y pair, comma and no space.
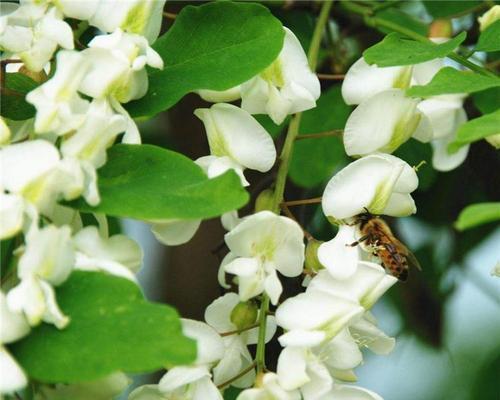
441,9
477,214
14,105
148,182
214,46
487,100
490,38
112,328
450,80
476,129
398,50
314,160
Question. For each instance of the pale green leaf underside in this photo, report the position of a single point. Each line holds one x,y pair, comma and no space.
478,214
213,46
112,328
450,80
149,183
475,130
490,38
398,50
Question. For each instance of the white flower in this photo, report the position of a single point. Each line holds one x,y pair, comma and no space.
363,81
32,32
220,96
47,260
269,388
383,122
489,17
285,87
263,244
347,392
496,270
236,355
59,107
13,377
313,317
117,255
380,183
365,286
176,231
95,135
117,66
100,389
237,141
11,215
142,17
340,259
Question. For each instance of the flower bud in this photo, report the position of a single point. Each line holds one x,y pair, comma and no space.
312,262
489,17
494,140
264,201
244,314
440,28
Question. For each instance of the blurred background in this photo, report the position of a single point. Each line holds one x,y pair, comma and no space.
447,317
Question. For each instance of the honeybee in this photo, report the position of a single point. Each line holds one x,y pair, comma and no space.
378,237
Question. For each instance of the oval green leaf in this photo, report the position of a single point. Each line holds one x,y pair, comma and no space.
478,214
112,328
150,183
490,38
14,105
214,46
399,50
476,129
450,80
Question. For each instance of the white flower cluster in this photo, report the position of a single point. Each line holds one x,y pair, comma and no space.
54,156
385,118
325,327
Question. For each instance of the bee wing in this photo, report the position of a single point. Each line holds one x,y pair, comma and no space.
410,257
412,261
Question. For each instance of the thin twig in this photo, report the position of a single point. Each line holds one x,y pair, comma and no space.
334,133
169,15
289,214
236,331
332,77
291,203
234,378
11,61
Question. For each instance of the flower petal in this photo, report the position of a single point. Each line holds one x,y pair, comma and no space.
292,368
210,347
12,378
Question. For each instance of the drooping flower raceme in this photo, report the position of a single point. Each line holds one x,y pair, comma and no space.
261,245
285,87
237,141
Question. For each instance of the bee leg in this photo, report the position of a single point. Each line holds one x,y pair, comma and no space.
361,239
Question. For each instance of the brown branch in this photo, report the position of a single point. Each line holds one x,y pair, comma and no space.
335,133
291,203
234,378
331,77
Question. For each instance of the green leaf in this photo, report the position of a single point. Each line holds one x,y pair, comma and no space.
112,328
314,160
490,38
399,50
213,46
148,182
441,9
14,105
268,124
478,214
487,100
476,129
450,80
